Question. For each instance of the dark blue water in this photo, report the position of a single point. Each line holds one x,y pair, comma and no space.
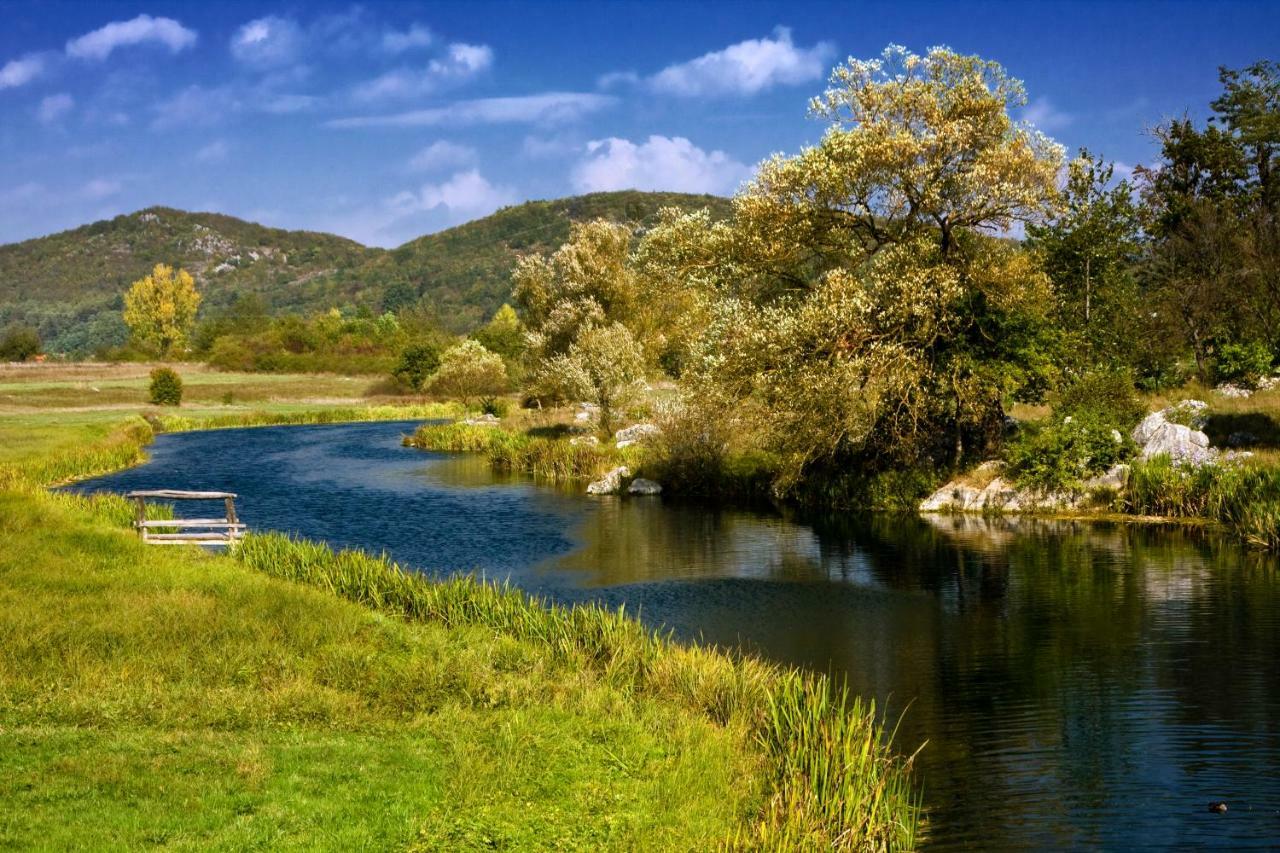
1077,685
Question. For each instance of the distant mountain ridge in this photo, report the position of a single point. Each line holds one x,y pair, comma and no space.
71,284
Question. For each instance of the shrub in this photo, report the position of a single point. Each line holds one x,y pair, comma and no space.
416,364
19,343
468,371
1106,395
496,406
1243,363
166,387
1058,454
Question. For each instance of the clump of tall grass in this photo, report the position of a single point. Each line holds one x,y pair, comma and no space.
549,458
1245,497
342,414
835,780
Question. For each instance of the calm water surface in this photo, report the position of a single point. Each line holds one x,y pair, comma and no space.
1077,685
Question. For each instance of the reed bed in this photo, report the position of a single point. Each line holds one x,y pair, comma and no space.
547,458
342,414
836,782
1244,497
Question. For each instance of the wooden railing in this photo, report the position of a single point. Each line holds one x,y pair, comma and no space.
187,531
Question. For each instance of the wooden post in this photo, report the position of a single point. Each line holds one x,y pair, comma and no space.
142,516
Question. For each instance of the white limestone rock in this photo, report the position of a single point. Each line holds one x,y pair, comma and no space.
641,486
610,483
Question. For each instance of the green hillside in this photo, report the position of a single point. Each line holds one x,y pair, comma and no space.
71,284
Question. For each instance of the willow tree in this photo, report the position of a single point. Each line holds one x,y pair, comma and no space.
860,308
160,309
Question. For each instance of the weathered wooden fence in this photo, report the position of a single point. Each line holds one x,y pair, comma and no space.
187,531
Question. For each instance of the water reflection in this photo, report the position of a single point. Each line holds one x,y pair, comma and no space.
1078,684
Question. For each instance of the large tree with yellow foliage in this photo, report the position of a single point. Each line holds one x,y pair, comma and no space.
860,309
160,309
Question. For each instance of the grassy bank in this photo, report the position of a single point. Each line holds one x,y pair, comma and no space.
290,696
550,456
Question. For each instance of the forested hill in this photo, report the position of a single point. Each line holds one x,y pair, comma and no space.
70,285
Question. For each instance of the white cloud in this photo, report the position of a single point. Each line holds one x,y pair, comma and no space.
466,193
214,152
618,79
54,107
548,107
1042,115
660,163
100,43
441,155
267,42
460,63
417,36
745,68
19,72
100,188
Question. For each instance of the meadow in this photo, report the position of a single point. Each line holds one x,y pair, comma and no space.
291,697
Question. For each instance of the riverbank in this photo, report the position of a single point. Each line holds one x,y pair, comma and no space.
477,717
1175,473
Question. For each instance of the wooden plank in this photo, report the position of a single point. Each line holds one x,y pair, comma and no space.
180,495
190,537
191,522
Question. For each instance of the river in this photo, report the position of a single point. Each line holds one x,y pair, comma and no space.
1075,684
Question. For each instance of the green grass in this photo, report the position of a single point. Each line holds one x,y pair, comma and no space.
1244,496
507,450
289,696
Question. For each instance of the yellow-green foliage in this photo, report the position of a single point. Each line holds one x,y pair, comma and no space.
550,458
161,309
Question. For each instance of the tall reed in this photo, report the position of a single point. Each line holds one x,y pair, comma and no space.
548,458
1243,496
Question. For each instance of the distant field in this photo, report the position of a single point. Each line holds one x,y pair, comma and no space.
92,386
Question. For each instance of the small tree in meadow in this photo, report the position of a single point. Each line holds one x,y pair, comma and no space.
19,343
160,309
605,366
468,371
166,387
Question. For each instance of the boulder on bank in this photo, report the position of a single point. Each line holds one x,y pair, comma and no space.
610,483
635,434
998,495
482,420
641,486
1176,431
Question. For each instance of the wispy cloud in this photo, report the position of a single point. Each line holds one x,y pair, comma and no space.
547,107
1043,115
659,163
745,68
460,63
54,108
417,36
441,155
267,42
102,42
100,188
20,72
215,152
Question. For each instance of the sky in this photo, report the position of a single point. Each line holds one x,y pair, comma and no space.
385,121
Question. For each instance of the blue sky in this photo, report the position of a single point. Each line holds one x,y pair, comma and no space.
385,121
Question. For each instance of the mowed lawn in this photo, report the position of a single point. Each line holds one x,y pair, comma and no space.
154,696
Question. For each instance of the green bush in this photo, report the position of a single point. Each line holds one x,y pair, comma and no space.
1243,363
1058,454
417,363
19,343
166,387
1107,396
